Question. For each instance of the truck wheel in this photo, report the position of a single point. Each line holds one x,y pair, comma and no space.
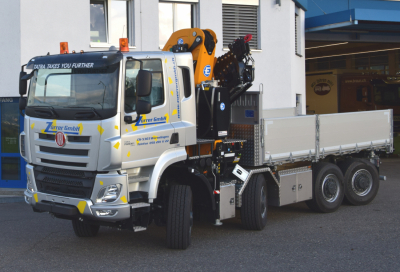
254,203
180,217
361,181
327,189
84,230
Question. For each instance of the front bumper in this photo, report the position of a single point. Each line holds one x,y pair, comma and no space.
71,206
84,207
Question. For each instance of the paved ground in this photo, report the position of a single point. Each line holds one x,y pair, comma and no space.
352,239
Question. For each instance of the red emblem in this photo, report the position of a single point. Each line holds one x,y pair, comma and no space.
60,139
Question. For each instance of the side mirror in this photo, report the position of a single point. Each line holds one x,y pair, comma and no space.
22,103
143,107
23,84
143,83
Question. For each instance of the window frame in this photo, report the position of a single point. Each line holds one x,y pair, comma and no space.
194,10
162,81
130,14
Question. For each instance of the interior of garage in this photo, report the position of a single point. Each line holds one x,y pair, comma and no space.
353,62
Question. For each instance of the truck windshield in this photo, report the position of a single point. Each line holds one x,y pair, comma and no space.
387,95
75,88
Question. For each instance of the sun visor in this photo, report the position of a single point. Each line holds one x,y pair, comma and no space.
75,61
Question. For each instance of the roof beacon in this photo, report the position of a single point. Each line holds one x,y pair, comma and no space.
123,45
64,48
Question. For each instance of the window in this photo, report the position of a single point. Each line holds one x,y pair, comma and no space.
9,128
157,90
238,21
187,86
10,168
372,61
111,20
173,17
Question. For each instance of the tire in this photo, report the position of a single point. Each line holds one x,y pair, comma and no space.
180,217
327,189
361,181
254,203
84,230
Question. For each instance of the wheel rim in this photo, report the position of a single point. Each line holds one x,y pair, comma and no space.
330,188
263,203
361,183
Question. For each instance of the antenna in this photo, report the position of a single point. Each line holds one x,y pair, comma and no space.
319,7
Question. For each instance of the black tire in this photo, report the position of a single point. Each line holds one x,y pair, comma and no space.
84,230
327,189
361,181
180,217
254,203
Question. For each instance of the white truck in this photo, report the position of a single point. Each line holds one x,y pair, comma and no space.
124,139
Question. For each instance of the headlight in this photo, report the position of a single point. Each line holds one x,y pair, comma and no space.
29,184
109,193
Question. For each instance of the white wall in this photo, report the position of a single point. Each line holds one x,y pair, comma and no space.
45,23
10,46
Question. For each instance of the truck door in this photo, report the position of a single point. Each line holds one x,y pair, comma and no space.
146,139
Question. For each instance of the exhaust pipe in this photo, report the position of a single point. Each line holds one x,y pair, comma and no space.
382,177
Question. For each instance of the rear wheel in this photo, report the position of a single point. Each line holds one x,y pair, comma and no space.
180,217
361,181
254,203
327,188
82,229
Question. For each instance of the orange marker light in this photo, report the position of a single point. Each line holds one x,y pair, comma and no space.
123,45
64,48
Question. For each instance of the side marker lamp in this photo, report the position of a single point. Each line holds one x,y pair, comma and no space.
123,45
64,48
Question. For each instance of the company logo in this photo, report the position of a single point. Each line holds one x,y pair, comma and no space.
322,89
222,106
66,129
207,70
151,121
180,41
60,138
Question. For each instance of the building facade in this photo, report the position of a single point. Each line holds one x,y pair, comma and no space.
34,28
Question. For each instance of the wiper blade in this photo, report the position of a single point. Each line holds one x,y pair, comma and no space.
93,110
51,109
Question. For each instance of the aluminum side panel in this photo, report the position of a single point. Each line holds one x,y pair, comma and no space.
356,130
289,138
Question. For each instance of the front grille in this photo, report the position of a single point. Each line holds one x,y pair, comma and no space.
76,164
64,182
64,172
47,136
79,139
71,139
64,151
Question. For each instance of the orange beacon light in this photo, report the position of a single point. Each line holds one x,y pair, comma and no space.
64,48
123,45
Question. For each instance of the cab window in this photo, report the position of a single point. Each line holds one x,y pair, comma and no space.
156,97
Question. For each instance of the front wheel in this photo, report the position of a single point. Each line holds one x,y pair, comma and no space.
180,217
254,203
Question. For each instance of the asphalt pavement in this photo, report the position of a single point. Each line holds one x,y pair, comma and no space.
364,238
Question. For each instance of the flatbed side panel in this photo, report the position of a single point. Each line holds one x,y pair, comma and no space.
348,132
289,139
